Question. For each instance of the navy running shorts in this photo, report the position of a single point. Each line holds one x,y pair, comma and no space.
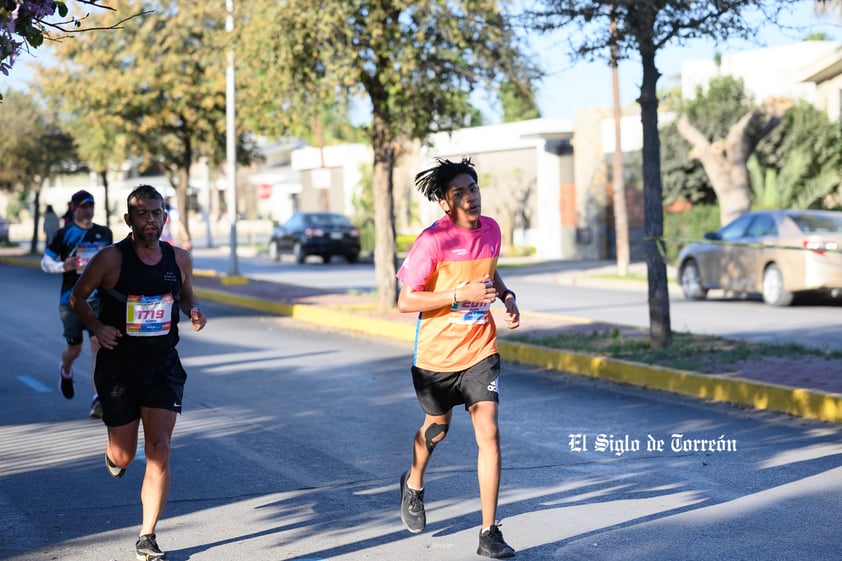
439,392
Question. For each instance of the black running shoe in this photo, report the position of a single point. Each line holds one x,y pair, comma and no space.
147,549
412,507
66,383
115,471
492,544
96,409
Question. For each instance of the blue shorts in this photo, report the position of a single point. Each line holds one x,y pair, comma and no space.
126,381
439,392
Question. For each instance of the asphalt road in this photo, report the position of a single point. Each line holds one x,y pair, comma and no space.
292,441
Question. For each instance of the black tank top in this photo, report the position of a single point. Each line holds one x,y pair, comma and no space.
147,290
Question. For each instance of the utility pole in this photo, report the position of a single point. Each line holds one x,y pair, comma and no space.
231,141
621,222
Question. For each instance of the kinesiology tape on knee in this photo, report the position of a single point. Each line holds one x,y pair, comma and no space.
433,431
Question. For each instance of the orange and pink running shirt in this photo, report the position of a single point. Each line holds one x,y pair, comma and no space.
445,256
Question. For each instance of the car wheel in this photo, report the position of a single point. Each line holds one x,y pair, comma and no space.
352,257
298,253
691,281
274,253
774,292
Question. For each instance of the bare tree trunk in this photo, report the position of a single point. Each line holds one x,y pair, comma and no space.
659,308
36,216
181,197
104,175
385,251
621,221
724,161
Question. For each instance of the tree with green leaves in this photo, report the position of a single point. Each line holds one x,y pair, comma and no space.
517,106
32,148
643,28
156,87
413,63
799,164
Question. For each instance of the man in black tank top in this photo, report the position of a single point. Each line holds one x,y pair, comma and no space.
143,284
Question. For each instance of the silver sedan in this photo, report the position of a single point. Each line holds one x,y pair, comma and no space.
774,253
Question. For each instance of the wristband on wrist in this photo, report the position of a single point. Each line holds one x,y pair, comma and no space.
454,296
506,293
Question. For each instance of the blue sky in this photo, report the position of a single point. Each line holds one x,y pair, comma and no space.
569,86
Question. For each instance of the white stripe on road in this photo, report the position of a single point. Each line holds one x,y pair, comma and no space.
34,384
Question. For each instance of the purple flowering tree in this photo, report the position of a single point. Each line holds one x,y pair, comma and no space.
26,23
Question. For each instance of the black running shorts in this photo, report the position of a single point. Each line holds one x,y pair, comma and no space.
127,381
439,392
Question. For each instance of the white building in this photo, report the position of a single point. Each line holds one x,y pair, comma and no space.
791,71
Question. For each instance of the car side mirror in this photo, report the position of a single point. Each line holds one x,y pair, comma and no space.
713,236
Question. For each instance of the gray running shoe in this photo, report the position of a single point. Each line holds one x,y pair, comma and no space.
114,470
147,549
413,515
492,544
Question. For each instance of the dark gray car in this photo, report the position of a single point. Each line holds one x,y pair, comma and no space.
316,233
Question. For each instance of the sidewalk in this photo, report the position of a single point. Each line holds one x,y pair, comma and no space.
810,388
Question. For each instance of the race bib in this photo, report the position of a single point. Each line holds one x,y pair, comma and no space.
469,313
148,316
84,253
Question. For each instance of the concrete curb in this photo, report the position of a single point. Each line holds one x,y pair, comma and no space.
801,402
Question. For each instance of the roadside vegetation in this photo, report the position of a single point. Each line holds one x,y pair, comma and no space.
696,353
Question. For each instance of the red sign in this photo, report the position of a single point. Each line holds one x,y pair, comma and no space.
264,191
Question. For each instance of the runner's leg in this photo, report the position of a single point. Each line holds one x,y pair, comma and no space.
484,418
158,425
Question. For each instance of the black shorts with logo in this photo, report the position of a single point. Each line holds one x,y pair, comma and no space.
127,380
439,392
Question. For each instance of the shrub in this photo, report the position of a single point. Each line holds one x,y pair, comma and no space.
682,228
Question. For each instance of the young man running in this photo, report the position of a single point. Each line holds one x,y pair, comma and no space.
450,278
144,283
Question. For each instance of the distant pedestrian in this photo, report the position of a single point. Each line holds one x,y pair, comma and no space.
145,284
51,224
68,253
67,217
174,232
450,279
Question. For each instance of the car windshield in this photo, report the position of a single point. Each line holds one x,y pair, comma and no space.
327,220
818,223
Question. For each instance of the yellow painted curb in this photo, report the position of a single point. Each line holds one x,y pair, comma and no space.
317,315
813,404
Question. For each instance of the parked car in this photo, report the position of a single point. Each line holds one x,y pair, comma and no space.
774,253
316,233
4,230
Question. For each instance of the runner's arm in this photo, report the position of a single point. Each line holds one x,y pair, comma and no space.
188,304
102,271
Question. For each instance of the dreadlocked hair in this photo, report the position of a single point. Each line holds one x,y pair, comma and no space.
434,182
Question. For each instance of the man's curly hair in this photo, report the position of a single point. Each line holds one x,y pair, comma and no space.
434,182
